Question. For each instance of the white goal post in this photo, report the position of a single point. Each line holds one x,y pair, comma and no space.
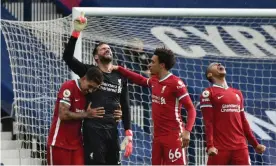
244,40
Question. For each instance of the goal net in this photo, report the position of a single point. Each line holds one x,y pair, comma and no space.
244,44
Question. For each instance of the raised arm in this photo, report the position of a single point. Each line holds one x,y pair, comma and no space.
68,56
134,77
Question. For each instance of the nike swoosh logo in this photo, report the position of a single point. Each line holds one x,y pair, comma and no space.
219,97
174,160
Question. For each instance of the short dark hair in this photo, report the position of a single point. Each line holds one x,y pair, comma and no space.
208,71
94,74
165,56
98,44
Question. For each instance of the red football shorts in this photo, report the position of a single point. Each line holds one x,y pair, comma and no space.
60,156
167,150
230,157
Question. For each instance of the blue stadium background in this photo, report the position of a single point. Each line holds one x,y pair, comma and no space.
195,87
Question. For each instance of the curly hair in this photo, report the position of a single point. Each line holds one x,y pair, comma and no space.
165,56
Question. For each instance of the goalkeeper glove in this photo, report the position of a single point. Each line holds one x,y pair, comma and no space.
127,143
79,24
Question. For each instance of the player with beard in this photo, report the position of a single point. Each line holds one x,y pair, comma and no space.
227,130
100,135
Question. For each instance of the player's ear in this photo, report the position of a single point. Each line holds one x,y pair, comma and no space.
96,57
209,75
162,65
83,78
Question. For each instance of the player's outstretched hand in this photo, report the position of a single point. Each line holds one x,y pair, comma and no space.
95,112
185,138
80,23
212,151
118,114
260,149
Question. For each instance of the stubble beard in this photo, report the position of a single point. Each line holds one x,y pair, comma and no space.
105,60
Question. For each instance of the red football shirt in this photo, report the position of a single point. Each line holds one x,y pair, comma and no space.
168,95
67,134
226,127
166,108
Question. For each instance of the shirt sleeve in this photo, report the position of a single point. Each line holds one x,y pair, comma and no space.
181,90
134,77
205,99
208,116
184,98
65,94
68,56
124,101
247,130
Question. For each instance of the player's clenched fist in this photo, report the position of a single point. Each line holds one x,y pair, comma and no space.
185,138
95,112
212,151
260,149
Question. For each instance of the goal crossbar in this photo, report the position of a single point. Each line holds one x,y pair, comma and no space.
222,12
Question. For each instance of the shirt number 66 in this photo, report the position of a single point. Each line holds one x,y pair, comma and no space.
174,156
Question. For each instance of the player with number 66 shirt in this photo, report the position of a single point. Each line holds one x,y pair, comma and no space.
169,93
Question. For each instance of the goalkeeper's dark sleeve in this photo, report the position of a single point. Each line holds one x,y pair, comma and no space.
68,56
124,101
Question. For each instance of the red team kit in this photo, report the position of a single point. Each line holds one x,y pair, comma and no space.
222,107
65,138
223,110
168,95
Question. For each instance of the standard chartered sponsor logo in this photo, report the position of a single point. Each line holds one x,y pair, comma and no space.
158,100
110,87
230,108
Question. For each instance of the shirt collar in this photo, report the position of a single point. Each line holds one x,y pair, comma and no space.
77,83
220,86
164,78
